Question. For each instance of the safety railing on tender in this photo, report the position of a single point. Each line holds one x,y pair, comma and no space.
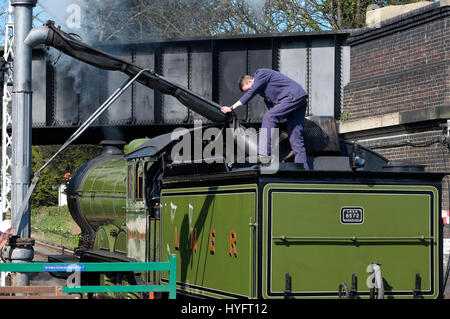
170,266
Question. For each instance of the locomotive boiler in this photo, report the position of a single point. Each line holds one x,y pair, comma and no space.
355,226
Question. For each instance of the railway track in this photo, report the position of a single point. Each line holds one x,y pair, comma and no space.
42,250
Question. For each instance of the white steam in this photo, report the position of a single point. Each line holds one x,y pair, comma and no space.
257,6
77,82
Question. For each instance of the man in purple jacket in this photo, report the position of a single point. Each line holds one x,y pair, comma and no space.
285,99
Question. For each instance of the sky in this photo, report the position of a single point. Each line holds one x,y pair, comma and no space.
66,13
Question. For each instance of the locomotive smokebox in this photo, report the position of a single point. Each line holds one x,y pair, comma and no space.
97,191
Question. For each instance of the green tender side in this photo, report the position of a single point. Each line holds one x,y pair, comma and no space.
214,230
210,230
305,237
103,193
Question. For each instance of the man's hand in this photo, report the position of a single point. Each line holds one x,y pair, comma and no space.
226,109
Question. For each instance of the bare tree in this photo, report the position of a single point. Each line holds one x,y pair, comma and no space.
143,20
347,14
140,19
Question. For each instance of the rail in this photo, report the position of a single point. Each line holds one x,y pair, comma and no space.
170,266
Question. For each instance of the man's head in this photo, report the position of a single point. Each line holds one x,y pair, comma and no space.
245,83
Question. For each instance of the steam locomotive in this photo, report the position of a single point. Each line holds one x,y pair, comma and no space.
354,226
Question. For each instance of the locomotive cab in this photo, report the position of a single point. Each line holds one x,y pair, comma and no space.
142,209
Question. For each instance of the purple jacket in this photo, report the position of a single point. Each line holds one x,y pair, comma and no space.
274,87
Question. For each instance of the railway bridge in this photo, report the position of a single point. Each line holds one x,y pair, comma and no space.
66,91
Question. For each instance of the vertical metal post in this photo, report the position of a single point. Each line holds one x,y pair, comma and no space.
21,135
5,203
8,56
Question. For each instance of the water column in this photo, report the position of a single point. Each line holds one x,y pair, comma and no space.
22,246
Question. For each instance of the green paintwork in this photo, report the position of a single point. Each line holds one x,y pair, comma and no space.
154,241
134,144
294,228
318,251
153,253
203,210
307,239
103,193
104,239
101,239
120,245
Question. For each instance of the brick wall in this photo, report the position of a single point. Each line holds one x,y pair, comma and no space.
400,69
418,46
399,91
403,66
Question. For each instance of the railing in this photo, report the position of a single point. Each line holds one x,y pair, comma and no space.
36,292
170,266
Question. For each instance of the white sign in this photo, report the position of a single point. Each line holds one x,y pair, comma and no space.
62,196
446,246
446,216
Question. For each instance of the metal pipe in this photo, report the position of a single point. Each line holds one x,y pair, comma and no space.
37,36
21,132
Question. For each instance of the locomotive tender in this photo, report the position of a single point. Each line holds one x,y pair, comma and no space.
354,226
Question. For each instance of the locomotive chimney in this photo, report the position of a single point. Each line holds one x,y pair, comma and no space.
112,147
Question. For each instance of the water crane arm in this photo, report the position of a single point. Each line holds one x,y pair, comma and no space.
52,36
66,43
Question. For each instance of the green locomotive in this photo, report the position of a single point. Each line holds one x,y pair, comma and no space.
241,233
355,226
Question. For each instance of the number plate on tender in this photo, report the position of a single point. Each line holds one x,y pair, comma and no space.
352,215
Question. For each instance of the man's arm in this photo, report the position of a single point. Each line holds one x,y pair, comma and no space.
227,109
